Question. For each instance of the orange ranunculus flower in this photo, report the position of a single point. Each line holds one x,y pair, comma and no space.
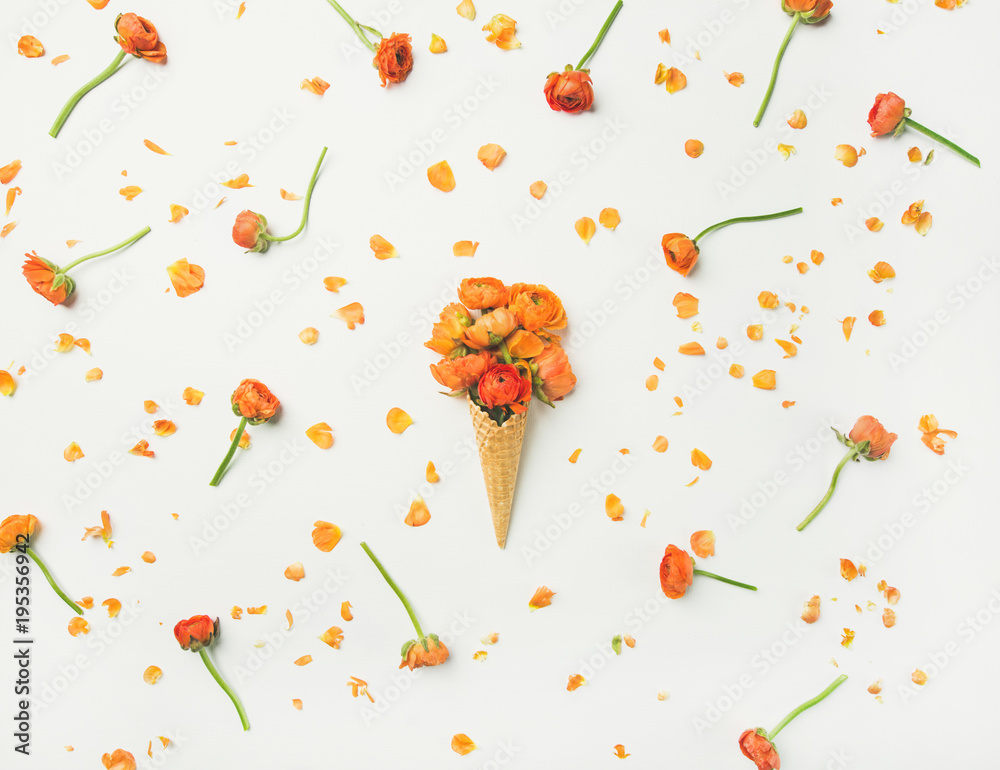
457,374
880,440
196,632
676,572
680,252
480,293
522,344
12,527
537,307
555,372
45,279
248,229
415,656
569,91
138,37
446,335
253,400
503,385
886,114
394,58
119,759
755,746
490,329
811,10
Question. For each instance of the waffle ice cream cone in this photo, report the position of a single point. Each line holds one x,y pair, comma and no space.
499,455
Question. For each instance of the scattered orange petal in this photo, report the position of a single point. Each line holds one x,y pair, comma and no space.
703,543
764,379
262,610
309,335
462,744
613,508
575,456
149,557
575,682
84,344
465,248
130,192
438,45
243,180
7,383
734,78
87,602
788,347
305,660
239,15
236,613
297,704
6,229
767,299
397,420
686,304
881,272
154,147
30,47
874,224
846,154
418,514
141,449
56,61
914,155
585,228
675,80
652,382
619,751
152,675
333,283
848,326
382,248
924,223
888,618
490,155
609,218
810,612
8,172
441,176
185,277
316,86
466,10
345,611
295,571
78,626
797,119
538,189
847,639
72,453
700,460
164,427
876,318
351,314
333,636
541,598
787,404
912,214
321,434
660,444
114,607
192,397
847,570
12,193
691,349
693,148
326,535
918,677
786,150
736,370
755,332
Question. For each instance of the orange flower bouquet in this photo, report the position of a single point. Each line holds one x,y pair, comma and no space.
136,36
197,634
498,351
393,54
255,404
15,535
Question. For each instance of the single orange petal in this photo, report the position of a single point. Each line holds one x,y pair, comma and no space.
382,248
537,189
64,343
149,557
83,343
675,80
764,379
585,228
243,180
152,675
660,444
57,60
296,702
164,427
918,677
8,172
154,147
325,536
575,456
121,571
418,514
177,213
693,148
797,119
30,47
397,420
262,610
345,611
848,326
236,613
12,193
316,86
114,607
876,318
609,218
333,283
351,314
881,272
141,449
72,453
541,598
912,214
810,610
657,363
431,474
466,10
722,343
652,382
575,682
7,383
836,201
333,636
462,744
78,626
305,660
700,460
691,349
6,229
192,397
847,639
321,434
465,248
847,570
924,222
914,155
295,571
846,154
734,78
239,15
767,299
874,224
788,347
87,602
703,543
185,277
438,45
288,196
309,335
736,370
490,155
130,192
613,508
441,176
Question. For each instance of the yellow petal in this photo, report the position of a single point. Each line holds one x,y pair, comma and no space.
462,744
154,147
321,434
465,248
846,154
152,675
309,335
585,228
397,420
797,119
437,44
431,474
466,10
610,218
382,248
177,213
765,379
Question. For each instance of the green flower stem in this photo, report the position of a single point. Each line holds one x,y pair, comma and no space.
505,353
808,704
48,576
738,220
947,143
127,242
725,580
774,71
601,34
854,452
354,25
229,455
203,652
399,593
84,90
305,206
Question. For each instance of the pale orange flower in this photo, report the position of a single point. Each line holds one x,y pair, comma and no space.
810,612
541,598
502,30
352,314
418,515
325,536
703,543
441,176
764,379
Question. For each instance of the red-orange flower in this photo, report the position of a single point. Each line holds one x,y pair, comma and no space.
457,374
680,252
138,37
196,632
16,530
248,231
253,400
676,572
480,293
503,385
416,656
555,372
886,114
569,91
869,429
755,746
537,307
45,279
394,58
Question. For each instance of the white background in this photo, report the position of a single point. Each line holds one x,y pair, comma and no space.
228,80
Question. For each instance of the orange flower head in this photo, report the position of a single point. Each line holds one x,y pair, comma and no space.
16,530
811,10
756,747
429,651
537,307
880,440
446,335
248,231
569,91
196,632
676,572
481,293
503,385
45,279
460,373
490,329
680,252
253,400
138,37
887,114
394,58
553,369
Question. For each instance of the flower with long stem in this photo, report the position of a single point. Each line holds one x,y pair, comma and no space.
255,404
890,114
758,744
677,573
197,634
425,650
15,535
572,89
250,228
807,11
136,36
393,54
867,439
52,282
682,252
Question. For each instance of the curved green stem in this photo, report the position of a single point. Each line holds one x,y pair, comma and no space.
829,492
394,587
110,70
738,220
354,25
203,652
601,34
127,242
229,455
808,704
305,205
725,580
946,142
48,576
505,353
774,70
